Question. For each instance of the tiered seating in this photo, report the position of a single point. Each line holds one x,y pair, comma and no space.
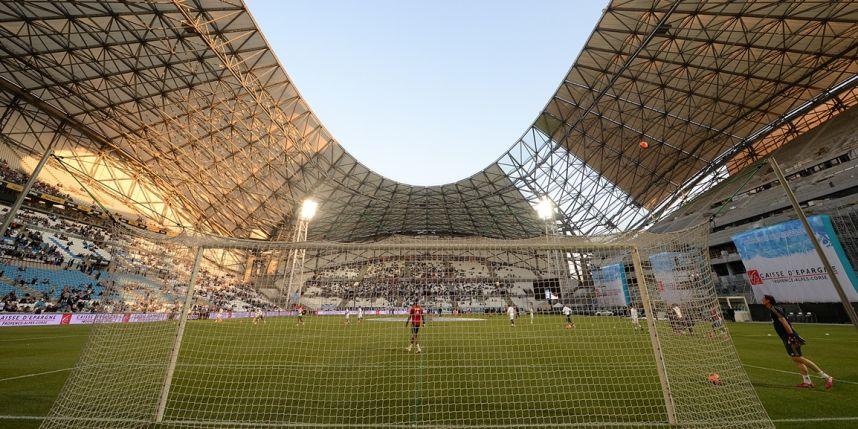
5,288
76,248
46,280
512,272
384,270
123,279
437,283
466,269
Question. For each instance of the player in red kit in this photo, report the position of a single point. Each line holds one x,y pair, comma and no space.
415,319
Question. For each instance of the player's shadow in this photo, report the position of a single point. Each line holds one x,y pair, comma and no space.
788,387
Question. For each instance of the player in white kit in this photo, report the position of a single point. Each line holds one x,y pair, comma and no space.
568,313
633,312
510,311
258,316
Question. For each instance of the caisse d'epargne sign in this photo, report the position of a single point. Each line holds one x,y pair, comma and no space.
781,261
48,319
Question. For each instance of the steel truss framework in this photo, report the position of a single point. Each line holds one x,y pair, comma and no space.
181,110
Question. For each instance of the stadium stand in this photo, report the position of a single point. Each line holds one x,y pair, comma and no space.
198,156
46,258
821,168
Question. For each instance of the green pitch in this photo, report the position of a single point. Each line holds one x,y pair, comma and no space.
37,360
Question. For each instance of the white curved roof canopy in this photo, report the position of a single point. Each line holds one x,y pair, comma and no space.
184,102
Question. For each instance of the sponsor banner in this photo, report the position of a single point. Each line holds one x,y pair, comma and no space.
612,289
48,319
673,276
292,313
393,311
52,198
247,314
14,186
781,261
27,319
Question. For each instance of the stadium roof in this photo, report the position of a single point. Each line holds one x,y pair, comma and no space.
181,109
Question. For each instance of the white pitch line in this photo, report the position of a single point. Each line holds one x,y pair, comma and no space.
228,423
836,380
817,419
41,338
34,375
786,420
829,338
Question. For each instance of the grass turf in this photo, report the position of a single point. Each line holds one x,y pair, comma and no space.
478,373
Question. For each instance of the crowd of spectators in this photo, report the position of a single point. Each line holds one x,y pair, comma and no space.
433,282
140,276
30,245
70,299
228,293
19,177
22,243
148,277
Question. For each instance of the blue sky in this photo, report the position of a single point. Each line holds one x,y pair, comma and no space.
426,92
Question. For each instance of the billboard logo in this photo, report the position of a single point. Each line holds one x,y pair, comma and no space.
754,277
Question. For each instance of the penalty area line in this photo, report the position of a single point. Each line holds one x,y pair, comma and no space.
40,338
17,377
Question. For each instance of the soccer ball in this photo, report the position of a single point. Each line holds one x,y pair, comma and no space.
643,144
715,379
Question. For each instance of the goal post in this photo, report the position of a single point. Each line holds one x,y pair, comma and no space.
661,369
614,331
180,332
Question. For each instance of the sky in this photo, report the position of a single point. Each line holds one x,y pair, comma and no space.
426,92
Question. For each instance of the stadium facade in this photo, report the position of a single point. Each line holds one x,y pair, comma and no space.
180,112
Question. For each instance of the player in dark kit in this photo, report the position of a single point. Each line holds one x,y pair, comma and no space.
415,319
792,343
300,310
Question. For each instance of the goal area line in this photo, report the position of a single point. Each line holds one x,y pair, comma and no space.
228,423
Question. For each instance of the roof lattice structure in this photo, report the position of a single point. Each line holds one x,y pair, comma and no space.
181,110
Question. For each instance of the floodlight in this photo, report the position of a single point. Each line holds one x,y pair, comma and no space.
308,209
545,208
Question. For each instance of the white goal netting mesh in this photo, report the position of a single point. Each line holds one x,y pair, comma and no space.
405,332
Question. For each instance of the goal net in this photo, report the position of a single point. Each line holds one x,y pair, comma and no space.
621,331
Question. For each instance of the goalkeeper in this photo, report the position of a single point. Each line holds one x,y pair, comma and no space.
792,343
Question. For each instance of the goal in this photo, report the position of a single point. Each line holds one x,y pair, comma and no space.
509,334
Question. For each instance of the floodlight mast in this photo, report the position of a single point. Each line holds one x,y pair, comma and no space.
308,211
545,209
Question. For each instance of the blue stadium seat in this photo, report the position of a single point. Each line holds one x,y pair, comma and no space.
47,279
